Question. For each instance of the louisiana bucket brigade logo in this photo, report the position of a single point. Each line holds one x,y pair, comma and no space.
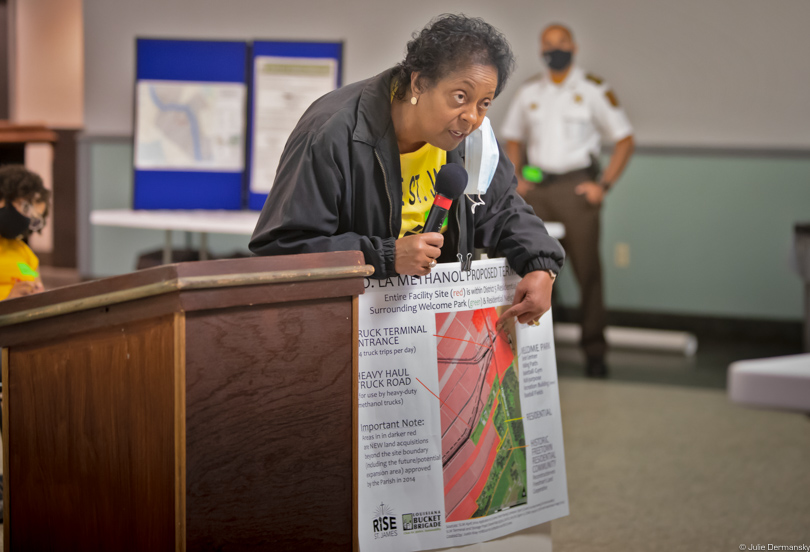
384,522
422,522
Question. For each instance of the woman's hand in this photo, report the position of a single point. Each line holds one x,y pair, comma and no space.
532,298
524,186
593,192
414,253
21,289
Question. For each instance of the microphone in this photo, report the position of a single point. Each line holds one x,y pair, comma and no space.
450,183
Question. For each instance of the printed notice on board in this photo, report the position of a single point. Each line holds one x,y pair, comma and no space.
460,436
284,88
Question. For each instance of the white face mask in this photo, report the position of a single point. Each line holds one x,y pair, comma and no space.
481,158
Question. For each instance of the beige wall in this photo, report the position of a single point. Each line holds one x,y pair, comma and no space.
47,79
723,73
48,67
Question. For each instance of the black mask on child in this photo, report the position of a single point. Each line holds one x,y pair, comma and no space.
558,60
13,224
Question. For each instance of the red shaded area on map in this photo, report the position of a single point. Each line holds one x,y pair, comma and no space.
471,354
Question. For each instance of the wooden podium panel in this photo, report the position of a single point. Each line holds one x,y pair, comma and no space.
294,411
94,461
199,406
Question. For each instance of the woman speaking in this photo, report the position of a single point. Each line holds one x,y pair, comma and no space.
358,171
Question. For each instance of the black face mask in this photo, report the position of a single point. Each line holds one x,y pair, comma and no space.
558,60
13,224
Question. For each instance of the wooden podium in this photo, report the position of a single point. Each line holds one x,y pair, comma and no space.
196,406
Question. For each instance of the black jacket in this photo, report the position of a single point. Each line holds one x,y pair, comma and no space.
338,188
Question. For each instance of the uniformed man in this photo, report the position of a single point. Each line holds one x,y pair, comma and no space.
561,118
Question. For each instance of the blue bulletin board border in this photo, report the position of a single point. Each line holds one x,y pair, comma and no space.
195,61
191,60
334,50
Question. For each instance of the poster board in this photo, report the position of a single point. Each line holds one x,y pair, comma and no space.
286,78
459,428
190,119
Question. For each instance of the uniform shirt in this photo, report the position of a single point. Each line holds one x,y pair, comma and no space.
17,264
563,124
419,170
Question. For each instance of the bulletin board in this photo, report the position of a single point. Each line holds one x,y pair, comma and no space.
286,77
190,115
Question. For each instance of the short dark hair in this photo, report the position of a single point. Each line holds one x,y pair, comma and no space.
564,28
451,42
17,182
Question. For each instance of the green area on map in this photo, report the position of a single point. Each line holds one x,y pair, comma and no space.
507,482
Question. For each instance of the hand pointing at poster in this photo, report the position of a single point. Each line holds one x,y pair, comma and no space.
532,298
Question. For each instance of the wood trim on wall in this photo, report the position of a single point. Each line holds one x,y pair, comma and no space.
64,200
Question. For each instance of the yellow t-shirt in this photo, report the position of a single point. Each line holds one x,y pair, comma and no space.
17,264
419,171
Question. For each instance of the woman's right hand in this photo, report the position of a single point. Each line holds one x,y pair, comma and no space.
414,253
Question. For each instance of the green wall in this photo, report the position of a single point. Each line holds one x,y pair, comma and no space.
708,234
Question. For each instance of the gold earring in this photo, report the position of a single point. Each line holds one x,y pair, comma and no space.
414,100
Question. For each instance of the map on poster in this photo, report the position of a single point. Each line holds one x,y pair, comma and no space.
460,436
190,126
483,443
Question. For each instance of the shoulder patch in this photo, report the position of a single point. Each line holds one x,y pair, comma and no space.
594,78
614,101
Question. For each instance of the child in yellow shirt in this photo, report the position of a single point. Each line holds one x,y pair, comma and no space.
23,209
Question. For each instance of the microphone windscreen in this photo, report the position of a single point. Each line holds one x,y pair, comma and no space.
451,181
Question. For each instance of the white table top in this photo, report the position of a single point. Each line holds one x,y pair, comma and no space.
780,382
555,229
215,222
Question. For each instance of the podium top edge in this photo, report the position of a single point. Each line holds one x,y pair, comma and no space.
183,277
